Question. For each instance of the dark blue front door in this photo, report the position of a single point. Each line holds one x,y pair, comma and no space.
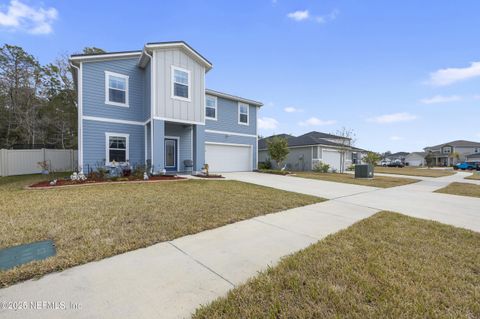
171,154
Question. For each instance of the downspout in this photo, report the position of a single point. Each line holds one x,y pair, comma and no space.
80,116
151,110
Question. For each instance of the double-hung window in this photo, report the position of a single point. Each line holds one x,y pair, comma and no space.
243,113
180,83
211,107
116,148
116,89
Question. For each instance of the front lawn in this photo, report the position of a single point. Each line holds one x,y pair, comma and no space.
475,176
412,171
377,181
386,266
94,222
464,189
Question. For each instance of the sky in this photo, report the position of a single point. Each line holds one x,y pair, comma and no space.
402,75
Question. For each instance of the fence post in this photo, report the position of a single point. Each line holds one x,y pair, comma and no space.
3,163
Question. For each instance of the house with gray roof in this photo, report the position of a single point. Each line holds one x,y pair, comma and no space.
467,150
311,148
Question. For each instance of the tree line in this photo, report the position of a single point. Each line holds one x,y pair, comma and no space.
38,103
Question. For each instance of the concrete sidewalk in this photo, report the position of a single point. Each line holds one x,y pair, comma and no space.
171,279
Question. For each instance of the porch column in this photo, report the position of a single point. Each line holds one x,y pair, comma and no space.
198,147
158,148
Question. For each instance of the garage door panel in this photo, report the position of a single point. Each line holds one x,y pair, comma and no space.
228,158
331,158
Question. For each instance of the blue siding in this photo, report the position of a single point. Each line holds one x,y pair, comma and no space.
227,118
158,145
198,146
94,90
94,144
147,98
233,139
184,132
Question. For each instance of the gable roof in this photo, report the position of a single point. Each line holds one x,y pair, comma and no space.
457,143
308,139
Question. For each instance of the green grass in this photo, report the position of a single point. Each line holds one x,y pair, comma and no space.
475,176
412,171
274,171
377,181
98,221
386,266
463,189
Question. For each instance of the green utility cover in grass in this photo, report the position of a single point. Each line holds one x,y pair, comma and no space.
22,254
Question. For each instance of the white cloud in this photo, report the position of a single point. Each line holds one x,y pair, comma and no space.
299,15
313,121
393,118
476,97
440,99
329,17
396,138
21,17
292,109
267,123
449,76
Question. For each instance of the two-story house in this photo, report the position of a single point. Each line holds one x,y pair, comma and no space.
151,106
444,154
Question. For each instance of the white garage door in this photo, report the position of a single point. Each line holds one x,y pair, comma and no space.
331,158
228,158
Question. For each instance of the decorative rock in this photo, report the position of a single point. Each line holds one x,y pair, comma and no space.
145,176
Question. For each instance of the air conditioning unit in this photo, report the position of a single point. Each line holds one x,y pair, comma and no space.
363,171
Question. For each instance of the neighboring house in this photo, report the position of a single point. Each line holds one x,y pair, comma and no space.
395,157
473,157
310,148
415,159
151,107
443,152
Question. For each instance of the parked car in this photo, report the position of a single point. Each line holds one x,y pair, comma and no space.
396,163
467,166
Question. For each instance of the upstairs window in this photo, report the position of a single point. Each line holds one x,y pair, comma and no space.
211,107
117,147
243,113
180,84
116,89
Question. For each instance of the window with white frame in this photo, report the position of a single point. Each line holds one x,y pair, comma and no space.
116,89
180,83
243,113
116,148
211,107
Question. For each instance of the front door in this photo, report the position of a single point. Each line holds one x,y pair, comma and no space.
171,154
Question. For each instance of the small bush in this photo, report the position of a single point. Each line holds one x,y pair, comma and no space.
274,171
321,167
351,167
267,164
138,171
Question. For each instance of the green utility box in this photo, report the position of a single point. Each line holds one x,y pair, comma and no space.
363,171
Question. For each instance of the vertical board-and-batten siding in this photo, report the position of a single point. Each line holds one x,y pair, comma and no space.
168,107
227,118
93,82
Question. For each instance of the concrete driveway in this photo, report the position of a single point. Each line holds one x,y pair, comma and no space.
171,279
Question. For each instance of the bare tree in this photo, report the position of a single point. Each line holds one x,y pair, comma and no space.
347,140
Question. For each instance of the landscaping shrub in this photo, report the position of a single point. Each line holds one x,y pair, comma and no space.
267,164
321,167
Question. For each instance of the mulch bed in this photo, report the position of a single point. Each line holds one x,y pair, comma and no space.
66,182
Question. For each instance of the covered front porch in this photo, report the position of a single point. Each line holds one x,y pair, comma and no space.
175,148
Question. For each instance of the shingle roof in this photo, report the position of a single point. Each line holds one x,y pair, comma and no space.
456,143
305,140
316,134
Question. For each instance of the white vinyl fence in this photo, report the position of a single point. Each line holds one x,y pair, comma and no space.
20,162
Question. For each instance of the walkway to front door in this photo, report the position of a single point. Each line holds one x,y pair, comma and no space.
171,154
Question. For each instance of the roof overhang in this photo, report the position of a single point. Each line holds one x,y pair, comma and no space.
77,58
149,47
233,97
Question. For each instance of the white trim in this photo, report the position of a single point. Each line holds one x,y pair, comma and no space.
183,45
191,143
233,97
177,149
238,145
215,107
80,118
104,56
108,120
230,133
145,143
248,113
174,68
167,119
107,87
107,145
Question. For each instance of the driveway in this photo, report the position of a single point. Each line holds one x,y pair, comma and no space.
171,279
